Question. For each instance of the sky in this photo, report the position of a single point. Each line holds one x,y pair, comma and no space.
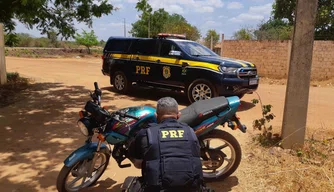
225,16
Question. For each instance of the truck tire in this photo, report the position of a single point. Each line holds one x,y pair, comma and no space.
120,82
200,89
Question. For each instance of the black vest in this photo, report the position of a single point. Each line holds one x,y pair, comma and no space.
173,157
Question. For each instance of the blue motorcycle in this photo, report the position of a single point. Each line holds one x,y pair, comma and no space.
118,128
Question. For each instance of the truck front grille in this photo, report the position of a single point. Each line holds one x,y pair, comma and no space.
246,73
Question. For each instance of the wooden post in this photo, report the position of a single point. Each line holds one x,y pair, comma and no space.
3,72
221,45
211,43
297,91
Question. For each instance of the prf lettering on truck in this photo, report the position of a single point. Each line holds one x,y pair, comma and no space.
144,70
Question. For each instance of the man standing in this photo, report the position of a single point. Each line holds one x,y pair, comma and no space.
168,153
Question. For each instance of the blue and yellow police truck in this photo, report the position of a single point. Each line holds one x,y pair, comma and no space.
173,62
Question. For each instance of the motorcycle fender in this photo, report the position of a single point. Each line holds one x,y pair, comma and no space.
84,152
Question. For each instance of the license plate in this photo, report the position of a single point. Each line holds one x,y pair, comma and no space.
253,82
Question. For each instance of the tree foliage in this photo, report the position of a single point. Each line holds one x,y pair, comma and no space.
52,14
161,21
274,29
215,37
243,34
324,27
87,39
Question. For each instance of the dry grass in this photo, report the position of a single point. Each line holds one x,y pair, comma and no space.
11,92
277,169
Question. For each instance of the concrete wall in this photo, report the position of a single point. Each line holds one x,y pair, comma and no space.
272,57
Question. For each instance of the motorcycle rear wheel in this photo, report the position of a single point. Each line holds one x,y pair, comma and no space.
67,171
218,157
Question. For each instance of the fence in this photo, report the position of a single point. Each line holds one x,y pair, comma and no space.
272,57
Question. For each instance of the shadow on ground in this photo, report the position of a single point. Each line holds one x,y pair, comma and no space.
244,105
219,186
38,133
145,94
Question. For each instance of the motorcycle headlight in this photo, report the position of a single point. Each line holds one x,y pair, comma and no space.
83,128
228,70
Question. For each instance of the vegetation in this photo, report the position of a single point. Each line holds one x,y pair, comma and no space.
274,29
266,138
243,34
49,15
152,23
87,39
215,37
280,25
324,27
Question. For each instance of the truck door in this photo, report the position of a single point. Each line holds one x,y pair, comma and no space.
143,66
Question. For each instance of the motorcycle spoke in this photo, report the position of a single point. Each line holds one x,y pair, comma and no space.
75,180
207,144
83,180
221,147
228,160
95,169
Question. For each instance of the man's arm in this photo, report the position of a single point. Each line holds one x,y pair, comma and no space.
137,148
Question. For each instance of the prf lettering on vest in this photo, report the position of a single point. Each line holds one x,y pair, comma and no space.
172,134
142,70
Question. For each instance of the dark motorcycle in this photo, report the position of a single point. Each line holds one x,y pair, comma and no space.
118,128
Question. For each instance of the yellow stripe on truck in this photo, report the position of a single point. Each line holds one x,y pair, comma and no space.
169,61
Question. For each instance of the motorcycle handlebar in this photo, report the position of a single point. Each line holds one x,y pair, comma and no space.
96,85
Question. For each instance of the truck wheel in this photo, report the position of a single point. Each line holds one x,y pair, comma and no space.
201,89
120,82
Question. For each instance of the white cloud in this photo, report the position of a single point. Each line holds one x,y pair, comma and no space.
235,5
179,6
222,16
210,24
255,13
120,6
205,9
246,17
132,1
262,9
174,9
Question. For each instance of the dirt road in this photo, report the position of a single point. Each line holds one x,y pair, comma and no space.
37,133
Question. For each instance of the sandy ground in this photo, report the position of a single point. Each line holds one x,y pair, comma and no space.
37,133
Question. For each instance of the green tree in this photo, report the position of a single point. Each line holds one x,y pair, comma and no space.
215,38
49,14
11,40
161,21
87,39
25,40
177,24
53,37
324,27
243,34
274,29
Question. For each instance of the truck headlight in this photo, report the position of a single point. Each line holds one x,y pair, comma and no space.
228,70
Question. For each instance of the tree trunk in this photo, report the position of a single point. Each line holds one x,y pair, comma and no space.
3,72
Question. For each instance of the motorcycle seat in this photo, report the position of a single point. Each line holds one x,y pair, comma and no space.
198,111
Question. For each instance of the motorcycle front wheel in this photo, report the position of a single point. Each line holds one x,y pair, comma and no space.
79,173
224,158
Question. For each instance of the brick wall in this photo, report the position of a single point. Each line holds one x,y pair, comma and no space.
272,57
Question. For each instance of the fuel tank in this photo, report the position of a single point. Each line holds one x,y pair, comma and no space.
128,126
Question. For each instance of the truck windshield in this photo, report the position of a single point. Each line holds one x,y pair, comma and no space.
195,49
